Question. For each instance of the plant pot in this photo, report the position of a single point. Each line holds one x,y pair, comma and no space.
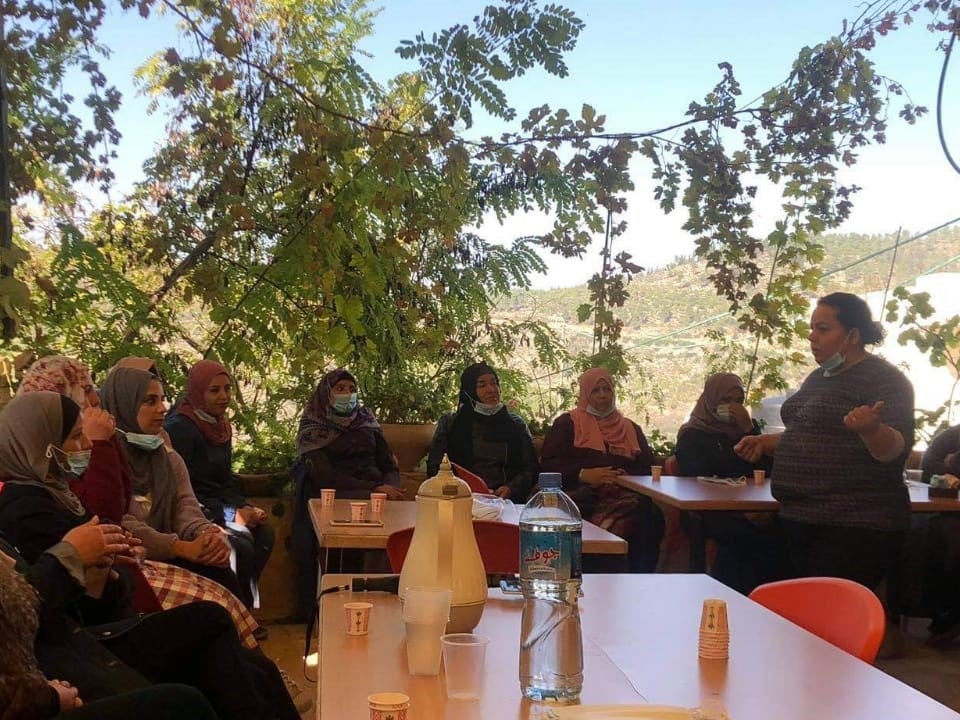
409,443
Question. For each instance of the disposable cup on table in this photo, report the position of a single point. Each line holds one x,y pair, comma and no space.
424,648
759,477
377,501
463,660
655,472
426,605
327,496
358,511
357,617
388,706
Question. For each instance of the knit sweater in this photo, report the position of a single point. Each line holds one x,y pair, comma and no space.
822,472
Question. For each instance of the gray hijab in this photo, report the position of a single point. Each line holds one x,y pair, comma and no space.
29,424
121,395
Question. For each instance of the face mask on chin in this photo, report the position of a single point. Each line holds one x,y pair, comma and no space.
77,461
832,364
344,404
144,441
591,410
487,408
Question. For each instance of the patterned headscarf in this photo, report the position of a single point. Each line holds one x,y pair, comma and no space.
29,424
18,629
58,374
614,433
122,393
216,431
319,425
704,416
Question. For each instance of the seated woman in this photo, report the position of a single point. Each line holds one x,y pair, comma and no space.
110,668
590,446
486,438
164,512
339,445
200,432
750,549
104,488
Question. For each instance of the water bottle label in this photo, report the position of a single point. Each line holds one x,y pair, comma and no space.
550,555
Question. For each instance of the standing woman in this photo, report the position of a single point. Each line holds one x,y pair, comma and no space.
590,446
339,445
486,438
200,432
838,466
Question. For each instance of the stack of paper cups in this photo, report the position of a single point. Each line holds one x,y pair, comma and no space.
714,631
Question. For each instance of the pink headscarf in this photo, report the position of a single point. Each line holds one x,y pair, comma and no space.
198,380
614,433
59,374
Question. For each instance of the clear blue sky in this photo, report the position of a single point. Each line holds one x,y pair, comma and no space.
641,63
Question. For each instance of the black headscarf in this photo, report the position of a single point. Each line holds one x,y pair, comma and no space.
499,427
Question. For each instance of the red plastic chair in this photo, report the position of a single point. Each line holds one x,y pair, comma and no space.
477,484
840,611
499,545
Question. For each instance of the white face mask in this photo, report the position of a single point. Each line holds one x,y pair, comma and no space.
723,413
487,408
77,461
144,441
598,414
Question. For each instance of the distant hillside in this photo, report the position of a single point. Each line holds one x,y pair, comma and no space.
669,300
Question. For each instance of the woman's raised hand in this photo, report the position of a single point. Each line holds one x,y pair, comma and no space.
864,419
96,544
753,447
98,424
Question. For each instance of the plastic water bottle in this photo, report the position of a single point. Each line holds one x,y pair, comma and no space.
551,645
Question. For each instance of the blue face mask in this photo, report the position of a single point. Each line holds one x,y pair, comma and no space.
835,361
606,413
344,404
487,408
77,461
144,441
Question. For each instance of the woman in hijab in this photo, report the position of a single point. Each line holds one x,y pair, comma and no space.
750,548
163,500
201,433
339,445
485,438
105,489
590,446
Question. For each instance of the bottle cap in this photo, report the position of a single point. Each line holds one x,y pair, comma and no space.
550,481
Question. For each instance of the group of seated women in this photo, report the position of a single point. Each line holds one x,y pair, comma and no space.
133,585
111,505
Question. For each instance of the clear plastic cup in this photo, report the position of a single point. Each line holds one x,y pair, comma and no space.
426,605
424,648
463,659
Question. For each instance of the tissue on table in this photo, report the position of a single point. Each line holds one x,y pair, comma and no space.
487,507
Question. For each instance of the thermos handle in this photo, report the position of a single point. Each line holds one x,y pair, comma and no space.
445,545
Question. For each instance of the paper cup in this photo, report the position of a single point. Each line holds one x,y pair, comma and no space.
713,617
759,476
388,706
357,617
358,511
377,501
326,497
655,472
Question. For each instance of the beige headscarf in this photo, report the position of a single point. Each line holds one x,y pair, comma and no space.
29,424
